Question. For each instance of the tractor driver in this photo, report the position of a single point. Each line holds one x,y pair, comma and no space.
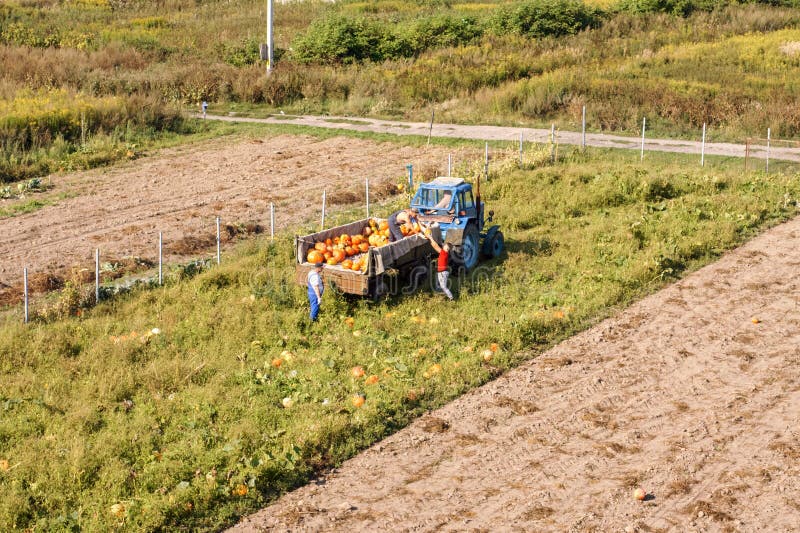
405,217
445,201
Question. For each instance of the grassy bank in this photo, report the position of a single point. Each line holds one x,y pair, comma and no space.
108,423
120,68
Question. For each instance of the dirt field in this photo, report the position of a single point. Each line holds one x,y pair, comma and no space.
692,394
179,192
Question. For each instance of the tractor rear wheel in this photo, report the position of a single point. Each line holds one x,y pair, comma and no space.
466,254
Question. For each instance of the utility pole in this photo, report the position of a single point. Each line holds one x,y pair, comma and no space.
270,44
265,50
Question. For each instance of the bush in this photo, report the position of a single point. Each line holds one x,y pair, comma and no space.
442,31
683,8
340,39
243,53
542,18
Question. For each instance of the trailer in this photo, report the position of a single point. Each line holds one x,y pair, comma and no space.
396,266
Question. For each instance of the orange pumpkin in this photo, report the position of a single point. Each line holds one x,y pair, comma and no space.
332,261
350,251
320,246
358,400
315,256
348,264
383,225
329,242
356,240
327,255
339,255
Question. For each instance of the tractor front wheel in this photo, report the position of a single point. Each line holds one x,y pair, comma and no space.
497,244
466,254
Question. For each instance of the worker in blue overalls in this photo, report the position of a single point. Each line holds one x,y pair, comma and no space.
315,289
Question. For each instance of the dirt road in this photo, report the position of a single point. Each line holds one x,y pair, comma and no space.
692,394
181,191
511,134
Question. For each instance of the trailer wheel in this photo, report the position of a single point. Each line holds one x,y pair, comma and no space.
466,254
380,288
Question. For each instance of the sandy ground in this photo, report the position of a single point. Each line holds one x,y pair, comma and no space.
683,394
181,191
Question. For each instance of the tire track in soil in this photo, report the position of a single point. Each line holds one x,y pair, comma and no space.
681,394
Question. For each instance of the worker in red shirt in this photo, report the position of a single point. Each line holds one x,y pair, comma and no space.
441,263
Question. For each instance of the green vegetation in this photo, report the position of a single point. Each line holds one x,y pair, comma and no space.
539,19
85,81
52,129
29,205
107,424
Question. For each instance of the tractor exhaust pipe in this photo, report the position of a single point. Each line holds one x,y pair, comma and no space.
478,200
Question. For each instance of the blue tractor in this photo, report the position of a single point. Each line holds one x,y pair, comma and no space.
450,203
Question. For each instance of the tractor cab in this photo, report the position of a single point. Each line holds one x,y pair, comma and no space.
450,203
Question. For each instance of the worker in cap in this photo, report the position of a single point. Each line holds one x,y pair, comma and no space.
315,289
404,217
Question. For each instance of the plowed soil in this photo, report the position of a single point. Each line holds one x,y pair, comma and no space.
692,394
181,191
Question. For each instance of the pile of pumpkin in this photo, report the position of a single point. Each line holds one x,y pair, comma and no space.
349,251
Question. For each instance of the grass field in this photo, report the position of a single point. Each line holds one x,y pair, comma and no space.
109,78
167,408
